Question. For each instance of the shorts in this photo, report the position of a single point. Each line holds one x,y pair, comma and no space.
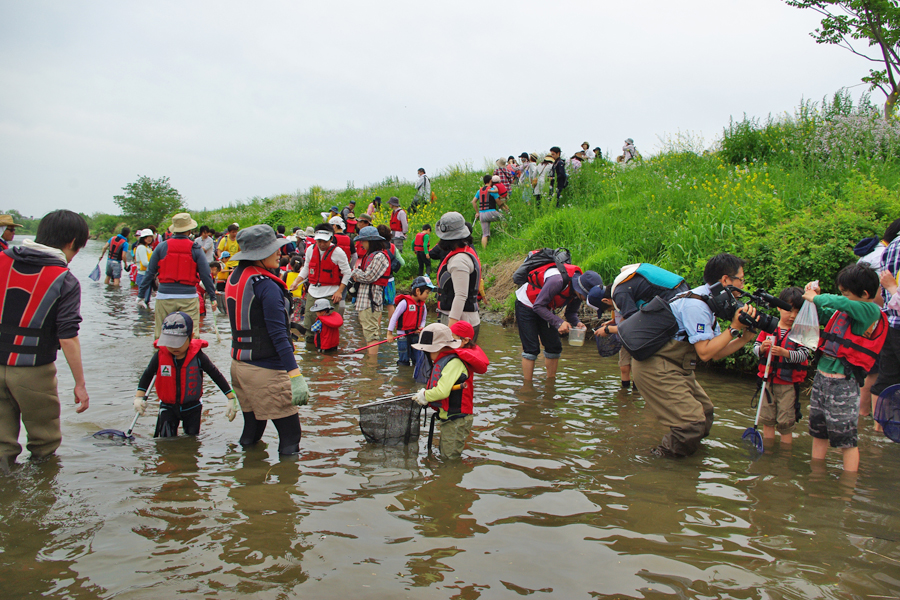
390,292
454,435
170,415
834,410
486,217
624,357
113,269
370,321
778,407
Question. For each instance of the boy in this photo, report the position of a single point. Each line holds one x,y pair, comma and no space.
450,385
409,318
327,326
850,344
214,268
787,371
420,245
178,368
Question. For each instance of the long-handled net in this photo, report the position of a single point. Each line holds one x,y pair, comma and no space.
391,421
887,412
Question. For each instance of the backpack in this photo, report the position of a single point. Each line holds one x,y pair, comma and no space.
395,262
539,258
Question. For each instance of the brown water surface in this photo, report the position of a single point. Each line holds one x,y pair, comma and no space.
557,493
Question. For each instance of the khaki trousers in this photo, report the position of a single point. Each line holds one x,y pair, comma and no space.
264,392
28,394
164,308
454,435
666,380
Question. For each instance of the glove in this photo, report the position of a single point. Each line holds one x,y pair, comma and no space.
299,391
140,405
420,398
233,408
215,319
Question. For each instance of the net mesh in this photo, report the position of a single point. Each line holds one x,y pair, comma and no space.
390,422
609,345
887,412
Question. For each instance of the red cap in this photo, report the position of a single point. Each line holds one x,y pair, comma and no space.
463,329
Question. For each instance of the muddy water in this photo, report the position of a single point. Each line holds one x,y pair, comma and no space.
557,494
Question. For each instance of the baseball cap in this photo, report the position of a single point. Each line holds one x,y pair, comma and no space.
176,330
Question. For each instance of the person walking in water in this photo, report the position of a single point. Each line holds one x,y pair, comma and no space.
117,248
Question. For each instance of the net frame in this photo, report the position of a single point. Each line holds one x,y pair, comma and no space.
887,412
391,421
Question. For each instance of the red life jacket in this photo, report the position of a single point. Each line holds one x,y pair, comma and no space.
781,371
324,271
178,265
343,242
419,242
329,336
116,247
446,293
460,402
485,200
412,316
351,226
839,341
250,339
396,225
3,245
176,385
383,280
29,296
536,282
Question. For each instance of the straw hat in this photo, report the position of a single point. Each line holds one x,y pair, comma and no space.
258,242
434,337
182,222
7,221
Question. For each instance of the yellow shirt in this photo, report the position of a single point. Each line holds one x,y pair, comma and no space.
291,276
226,243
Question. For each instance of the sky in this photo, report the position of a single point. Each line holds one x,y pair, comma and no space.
232,100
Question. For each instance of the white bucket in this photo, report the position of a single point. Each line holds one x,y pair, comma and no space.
576,337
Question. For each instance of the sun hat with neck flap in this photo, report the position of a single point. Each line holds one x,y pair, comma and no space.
452,226
258,242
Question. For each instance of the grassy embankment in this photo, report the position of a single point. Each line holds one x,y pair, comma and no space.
792,195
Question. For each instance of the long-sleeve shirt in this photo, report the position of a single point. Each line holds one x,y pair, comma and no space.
340,259
460,268
398,314
794,356
553,286
449,376
890,261
178,290
369,294
205,363
271,295
404,224
142,257
862,316
423,187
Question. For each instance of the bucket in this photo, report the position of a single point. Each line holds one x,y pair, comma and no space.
576,337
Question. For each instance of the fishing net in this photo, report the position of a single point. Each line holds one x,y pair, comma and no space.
887,412
390,422
609,345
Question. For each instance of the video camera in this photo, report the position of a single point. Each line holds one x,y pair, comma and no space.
724,305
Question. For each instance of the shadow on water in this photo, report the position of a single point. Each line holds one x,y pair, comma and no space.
556,492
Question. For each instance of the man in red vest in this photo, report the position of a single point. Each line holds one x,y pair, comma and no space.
327,270
399,224
181,264
40,312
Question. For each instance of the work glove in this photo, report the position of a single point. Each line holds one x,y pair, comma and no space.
420,398
215,319
233,409
140,405
299,391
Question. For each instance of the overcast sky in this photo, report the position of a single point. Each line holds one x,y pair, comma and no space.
237,99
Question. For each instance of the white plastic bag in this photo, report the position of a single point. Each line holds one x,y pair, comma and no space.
805,330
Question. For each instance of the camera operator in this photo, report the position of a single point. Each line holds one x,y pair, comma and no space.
666,379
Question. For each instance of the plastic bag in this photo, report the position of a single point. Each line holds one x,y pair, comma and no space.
805,330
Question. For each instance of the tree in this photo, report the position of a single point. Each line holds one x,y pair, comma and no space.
148,201
875,23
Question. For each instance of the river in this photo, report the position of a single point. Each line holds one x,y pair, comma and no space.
557,493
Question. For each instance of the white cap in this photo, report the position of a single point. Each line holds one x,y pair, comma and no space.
336,221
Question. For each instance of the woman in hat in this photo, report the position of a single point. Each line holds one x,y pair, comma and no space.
450,389
264,372
372,274
374,206
459,275
142,253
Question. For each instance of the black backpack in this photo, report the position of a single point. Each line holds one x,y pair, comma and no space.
395,263
541,257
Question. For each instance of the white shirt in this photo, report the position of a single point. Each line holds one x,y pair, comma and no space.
208,246
142,257
340,259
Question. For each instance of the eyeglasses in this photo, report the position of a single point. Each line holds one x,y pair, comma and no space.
741,279
13,229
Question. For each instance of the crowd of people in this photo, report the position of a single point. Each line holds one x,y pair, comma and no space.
280,291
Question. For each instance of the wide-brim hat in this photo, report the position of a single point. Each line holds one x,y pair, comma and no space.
182,222
436,336
258,242
7,221
500,162
144,233
549,159
365,217
320,304
369,234
394,201
452,226
310,231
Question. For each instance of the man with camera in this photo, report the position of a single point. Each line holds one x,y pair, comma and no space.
666,379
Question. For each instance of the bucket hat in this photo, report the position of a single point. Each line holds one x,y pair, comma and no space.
452,226
258,242
182,222
310,231
144,233
587,281
7,221
335,209
501,162
436,337
177,328
320,304
369,234
394,201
